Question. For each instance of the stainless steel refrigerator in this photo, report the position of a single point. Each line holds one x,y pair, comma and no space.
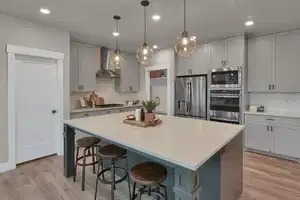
191,96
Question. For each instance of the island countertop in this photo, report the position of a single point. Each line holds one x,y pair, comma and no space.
184,142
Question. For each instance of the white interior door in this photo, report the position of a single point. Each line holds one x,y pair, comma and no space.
36,89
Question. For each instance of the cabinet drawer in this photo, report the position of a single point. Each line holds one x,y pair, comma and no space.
255,119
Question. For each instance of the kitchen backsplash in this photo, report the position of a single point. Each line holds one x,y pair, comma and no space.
277,101
106,89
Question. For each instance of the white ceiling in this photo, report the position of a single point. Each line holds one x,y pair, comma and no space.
91,20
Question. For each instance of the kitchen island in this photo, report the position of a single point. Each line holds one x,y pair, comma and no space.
204,159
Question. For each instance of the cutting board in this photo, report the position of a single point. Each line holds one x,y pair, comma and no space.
136,123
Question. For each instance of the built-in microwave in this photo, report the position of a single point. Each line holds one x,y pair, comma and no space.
227,77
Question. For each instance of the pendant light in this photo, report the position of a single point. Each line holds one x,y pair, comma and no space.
185,45
116,59
145,53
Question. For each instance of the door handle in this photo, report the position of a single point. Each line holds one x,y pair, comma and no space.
54,111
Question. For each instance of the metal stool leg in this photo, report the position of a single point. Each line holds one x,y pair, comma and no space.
83,170
75,166
158,189
93,158
165,192
133,191
98,171
112,193
128,179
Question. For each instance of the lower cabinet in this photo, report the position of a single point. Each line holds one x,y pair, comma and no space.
259,137
287,141
275,135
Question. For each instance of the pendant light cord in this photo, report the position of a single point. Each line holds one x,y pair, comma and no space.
145,24
184,15
117,26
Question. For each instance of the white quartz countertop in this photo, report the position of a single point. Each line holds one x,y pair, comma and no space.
181,141
276,114
80,110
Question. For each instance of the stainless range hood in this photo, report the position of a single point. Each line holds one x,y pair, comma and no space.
105,71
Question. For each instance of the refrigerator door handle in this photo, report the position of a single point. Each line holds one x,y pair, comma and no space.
190,97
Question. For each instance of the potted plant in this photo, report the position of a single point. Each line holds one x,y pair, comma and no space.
149,107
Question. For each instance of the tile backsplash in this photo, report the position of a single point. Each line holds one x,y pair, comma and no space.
277,101
106,89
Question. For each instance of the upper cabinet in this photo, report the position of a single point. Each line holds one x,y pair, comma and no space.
217,54
273,63
195,64
84,61
287,62
129,80
229,52
260,64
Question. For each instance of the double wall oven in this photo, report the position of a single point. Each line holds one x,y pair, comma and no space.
225,95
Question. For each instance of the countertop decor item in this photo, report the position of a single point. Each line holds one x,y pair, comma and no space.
151,123
185,45
149,106
116,59
145,53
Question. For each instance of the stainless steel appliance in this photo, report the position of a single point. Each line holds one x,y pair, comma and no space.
226,77
191,96
225,106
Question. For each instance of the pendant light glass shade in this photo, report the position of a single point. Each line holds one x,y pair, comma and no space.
145,53
116,58
185,45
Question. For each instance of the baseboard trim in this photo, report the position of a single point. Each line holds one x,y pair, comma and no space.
273,155
4,167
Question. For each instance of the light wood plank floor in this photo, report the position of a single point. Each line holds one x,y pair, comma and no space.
265,178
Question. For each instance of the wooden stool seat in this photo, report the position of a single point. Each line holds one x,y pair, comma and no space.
148,173
111,152
87,141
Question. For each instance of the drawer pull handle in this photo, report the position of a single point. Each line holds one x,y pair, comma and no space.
86,114
269,119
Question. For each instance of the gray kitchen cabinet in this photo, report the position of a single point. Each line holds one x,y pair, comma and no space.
277,135
286,141
229,52
129,80
235,51
217,54
287,64
84,61
197,63
260,64
258,137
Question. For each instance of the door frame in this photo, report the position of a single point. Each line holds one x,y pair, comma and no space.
12,51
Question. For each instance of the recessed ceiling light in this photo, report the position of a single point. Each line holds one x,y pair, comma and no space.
116,34
45,11
155,17
249,23
155,46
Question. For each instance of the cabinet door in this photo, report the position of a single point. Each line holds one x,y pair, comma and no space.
217,54
235,51
183,66
287,63
74,68
130,74
258,137
286,141
87,62
260,64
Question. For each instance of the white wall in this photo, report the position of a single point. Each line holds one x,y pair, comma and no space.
24,33
277,101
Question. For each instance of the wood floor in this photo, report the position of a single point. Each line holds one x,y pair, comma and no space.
265,178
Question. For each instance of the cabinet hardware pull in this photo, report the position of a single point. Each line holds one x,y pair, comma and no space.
271,128
82,87
273,86
86,114
269,86
268,129
269,119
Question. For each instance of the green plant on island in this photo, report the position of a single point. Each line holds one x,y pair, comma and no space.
150,105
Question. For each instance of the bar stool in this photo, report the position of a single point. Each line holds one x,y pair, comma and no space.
88,144
114,154
150,175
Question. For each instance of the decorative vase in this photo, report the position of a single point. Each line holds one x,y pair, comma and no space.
149,117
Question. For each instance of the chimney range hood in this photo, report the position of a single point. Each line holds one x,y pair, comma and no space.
105,71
